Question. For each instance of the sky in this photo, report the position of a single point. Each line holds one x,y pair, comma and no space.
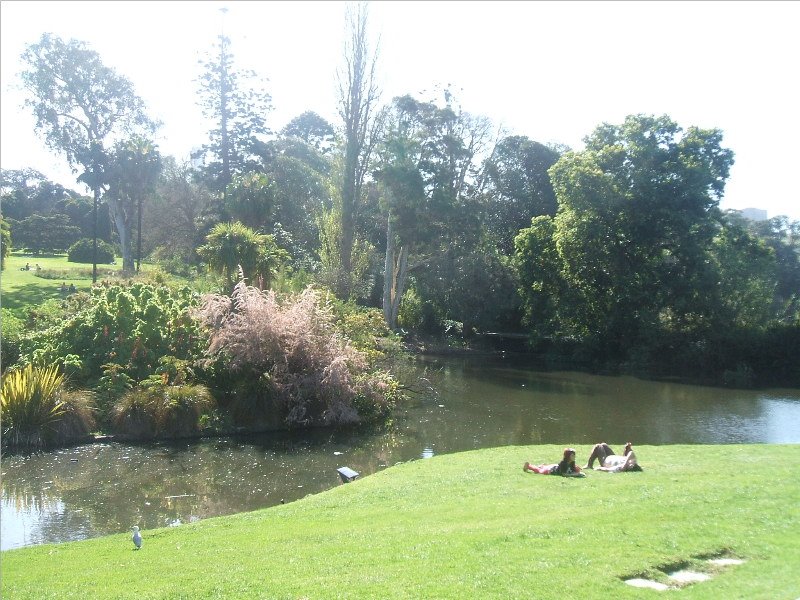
552,71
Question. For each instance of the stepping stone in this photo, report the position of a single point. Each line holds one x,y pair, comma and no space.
724,562
646,583
689,576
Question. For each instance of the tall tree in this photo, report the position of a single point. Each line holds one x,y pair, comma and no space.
131,174
181,213
518,187
237,103
638,213
358,106
427,169
313,130
81,106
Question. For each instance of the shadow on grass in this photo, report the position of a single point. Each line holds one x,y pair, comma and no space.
31,294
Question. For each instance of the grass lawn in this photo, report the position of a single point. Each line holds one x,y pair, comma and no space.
21,289
468,525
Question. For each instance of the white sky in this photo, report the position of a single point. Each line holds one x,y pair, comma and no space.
552,71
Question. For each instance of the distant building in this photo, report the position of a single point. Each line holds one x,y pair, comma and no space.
754,214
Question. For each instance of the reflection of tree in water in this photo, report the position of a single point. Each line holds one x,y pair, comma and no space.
106,488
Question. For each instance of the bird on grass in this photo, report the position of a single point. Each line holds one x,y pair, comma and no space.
137,537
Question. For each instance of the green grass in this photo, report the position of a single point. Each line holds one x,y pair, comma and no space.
469,525
22,289
25,288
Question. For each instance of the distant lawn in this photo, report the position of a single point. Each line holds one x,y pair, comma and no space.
21,288
468,525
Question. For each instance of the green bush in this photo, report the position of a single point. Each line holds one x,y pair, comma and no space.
133,326
82,251
12,330
162,411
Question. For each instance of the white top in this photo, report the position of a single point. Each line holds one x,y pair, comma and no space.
616,463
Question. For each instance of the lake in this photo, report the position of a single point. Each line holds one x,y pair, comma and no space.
456,404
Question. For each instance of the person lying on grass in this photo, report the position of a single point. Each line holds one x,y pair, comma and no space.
566,468
611,462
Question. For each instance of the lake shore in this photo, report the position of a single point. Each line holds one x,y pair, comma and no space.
469,524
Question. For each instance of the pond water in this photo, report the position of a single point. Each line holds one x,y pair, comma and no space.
459,404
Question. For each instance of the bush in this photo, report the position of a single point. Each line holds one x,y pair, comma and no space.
82,251
38,412
133,326
162,411
293,354
12,330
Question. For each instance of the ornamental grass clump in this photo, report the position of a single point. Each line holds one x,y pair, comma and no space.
162,411
38,411
290,359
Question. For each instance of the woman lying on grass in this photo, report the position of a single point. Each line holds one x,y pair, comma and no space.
613,463
566,468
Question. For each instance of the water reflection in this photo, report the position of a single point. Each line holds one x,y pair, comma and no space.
99,489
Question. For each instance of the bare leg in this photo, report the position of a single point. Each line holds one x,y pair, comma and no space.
540,469
599,452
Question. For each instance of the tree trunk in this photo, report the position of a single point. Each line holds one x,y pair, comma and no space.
394,277
94,243
123,230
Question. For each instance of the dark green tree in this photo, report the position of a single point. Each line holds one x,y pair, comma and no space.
427,169
46,233
80,106
518,187
5,242
636,221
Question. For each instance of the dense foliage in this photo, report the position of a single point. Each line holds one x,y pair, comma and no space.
289,357
132,326
616,256
82,251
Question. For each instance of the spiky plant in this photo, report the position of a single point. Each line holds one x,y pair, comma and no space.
31,406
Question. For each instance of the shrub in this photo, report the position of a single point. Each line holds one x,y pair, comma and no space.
82,251
292,353
12,330
133,326
162,411
38,412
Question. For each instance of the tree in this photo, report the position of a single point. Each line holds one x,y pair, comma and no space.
181,213
80,106
518,187
46,233
237,104
427,172
131,175
313,130
358,100
5,242
637,217
783,237
233,246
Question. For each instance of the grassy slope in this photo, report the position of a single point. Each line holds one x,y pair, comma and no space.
21,289
469,525
24,288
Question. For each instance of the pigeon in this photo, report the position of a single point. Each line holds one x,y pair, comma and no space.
137,537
